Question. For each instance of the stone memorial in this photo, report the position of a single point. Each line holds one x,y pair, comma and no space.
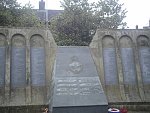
17,70
76,87
144,58
36,74
127,60
110,66
128,64
38,66
2,60
144,55
18,66
109,61
2,65
38,69
18,61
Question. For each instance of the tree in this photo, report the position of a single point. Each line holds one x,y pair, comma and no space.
80,19
110,14
14,15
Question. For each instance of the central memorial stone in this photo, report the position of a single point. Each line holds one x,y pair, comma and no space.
76,87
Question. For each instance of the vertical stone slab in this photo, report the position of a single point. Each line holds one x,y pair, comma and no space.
128,63
2,68
2,65
38,69
144,57
110,62
2,60
127,59
110,69
18,70
129,70
18,67
76,86
18,61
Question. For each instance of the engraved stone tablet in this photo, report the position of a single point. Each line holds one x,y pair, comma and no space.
144,55
38,69
110,66
76,83
77,86
18,66
2,66
74,63
128,64
75,66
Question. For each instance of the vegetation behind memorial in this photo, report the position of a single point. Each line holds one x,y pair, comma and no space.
80,19
12,14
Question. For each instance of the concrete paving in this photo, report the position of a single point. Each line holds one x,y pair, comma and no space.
138,111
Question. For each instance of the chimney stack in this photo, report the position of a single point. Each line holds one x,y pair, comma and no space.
136,26
41,5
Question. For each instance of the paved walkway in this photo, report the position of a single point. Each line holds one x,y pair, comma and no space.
138,111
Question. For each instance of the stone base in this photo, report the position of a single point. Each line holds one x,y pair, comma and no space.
81,109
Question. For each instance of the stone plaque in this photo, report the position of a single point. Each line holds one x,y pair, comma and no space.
38,69
110,66
144,56
77,86
73,63
76,82
18,66
128,64
2,65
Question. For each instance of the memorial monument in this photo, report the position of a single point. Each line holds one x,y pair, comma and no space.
26,61
123,63
36,74
75,83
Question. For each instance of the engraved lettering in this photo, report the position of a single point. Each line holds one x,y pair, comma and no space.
2,65
38,66
67,80
18,66
66,84
67,89
110,66
144,55
128,64
89,84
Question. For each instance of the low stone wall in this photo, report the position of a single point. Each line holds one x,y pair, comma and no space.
24,109
27,57
122,58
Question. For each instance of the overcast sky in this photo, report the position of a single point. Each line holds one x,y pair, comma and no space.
138,10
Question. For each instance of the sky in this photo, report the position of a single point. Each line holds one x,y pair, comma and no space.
138,10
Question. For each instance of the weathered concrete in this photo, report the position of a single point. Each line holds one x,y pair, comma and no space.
21,87
131,48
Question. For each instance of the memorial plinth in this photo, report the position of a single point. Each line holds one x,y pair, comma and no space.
76,87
